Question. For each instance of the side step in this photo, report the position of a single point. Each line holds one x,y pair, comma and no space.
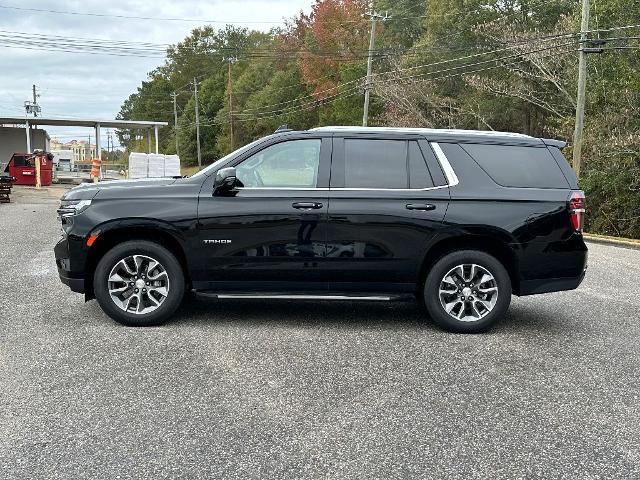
308,296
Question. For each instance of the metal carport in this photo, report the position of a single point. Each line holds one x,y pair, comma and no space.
90,123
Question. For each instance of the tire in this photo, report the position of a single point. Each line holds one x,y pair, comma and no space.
487,300
157,283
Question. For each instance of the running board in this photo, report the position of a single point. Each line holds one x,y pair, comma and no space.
306,296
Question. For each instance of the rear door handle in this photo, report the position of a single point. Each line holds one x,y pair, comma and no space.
421,206
307,205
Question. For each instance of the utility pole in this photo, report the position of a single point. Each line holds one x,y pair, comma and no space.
582,90
35,101
372,45
175,121
231,60
32,106
195,92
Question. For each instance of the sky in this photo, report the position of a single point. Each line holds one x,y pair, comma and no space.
94,85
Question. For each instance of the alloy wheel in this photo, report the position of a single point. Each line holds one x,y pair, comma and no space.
468,292
138,284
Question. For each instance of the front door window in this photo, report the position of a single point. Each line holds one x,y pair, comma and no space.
292,164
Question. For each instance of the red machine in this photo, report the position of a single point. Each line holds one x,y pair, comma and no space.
23,167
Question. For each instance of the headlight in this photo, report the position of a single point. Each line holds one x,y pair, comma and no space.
69,208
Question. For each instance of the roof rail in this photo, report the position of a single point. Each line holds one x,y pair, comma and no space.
424,131
283,128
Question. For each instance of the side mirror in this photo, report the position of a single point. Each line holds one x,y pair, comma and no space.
225,182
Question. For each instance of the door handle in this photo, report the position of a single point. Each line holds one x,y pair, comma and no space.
307,205
421,206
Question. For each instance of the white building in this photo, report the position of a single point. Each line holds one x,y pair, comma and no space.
82,150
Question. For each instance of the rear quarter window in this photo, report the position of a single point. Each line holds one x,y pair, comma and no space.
518,166
565,167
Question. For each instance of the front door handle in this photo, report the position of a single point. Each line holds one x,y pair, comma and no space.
421,206
307,205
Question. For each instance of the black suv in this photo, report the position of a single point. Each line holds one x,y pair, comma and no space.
458,219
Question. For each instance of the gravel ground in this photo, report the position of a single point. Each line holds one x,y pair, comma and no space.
257,389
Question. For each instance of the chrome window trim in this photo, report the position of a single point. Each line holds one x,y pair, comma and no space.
349,189
284,188
452,178
450,174
357,189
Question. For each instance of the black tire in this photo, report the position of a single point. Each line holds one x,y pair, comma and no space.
139,247
435,276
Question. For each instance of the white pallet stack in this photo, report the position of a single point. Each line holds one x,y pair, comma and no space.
138,165
156,165
153,165
172,166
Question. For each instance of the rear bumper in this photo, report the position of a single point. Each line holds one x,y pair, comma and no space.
546,285
552,267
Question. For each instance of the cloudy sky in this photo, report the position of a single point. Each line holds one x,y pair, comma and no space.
93,85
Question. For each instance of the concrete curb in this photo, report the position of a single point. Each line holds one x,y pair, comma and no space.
615,241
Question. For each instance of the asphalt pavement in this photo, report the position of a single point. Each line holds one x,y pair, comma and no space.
275,389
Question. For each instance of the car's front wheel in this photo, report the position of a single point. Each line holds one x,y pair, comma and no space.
467,291
139,283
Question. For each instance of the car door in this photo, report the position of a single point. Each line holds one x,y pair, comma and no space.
388,198
270,234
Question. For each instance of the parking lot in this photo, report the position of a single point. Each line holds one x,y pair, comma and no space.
258,389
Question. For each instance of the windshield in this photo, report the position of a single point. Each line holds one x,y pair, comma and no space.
217,163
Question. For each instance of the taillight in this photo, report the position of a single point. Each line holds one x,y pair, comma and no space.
577,206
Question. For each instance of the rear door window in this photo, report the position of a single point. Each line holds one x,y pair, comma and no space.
388,164
375,163
518,166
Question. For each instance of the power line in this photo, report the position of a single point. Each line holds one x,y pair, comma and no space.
257,113
442,62
346,94
150,50
132,17
492,67
484,62
214,122
293,109
196,20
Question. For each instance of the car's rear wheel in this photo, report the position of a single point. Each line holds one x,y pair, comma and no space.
467,291
139,283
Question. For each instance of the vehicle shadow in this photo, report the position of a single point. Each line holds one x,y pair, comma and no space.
349,315
532,317
521,318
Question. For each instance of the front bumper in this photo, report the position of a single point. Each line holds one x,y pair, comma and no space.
75,284
74,279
